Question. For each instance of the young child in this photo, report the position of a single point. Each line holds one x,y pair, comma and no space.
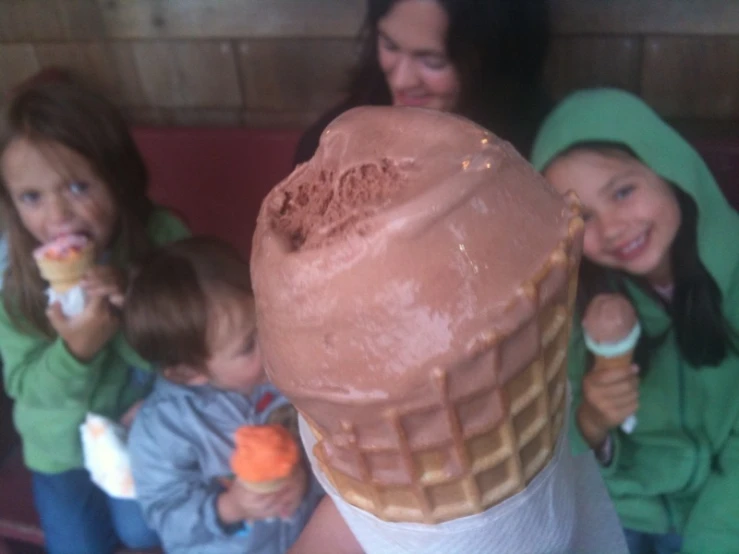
658,229
68,166
190,310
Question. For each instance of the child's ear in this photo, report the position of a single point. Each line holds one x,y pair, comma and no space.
184,374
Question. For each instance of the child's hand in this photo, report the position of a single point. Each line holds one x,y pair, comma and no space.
85,334
609,397
291,495
107,281
239,503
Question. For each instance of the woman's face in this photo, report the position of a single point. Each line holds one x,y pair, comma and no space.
411,48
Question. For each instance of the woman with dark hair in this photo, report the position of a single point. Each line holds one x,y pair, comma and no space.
658,229
479,58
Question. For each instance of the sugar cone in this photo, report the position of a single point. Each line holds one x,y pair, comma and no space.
264,487
62,275
625,359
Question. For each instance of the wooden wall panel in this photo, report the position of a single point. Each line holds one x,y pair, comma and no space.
297,75
578,62
107,66
283,62
17,62
29,20
705,17
692,77
231,18
188,73
80,19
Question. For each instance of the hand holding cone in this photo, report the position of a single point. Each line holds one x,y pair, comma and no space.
265,457
611,333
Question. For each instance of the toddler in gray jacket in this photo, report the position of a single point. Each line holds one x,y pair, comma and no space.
190,311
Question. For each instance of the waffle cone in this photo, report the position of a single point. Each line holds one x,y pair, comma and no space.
62,275
487,444
264,487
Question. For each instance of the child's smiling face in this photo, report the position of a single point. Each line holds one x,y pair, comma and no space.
631,214
56,192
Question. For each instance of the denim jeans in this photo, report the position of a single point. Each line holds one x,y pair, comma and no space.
651,543
79,518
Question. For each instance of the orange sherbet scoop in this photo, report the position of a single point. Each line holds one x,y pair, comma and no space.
264,453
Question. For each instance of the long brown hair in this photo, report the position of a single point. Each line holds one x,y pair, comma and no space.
68,114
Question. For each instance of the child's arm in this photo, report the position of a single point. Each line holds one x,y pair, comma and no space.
181,505
326,532
43,370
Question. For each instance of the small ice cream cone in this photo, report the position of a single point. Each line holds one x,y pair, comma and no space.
265,457
611,333
264,487
63,262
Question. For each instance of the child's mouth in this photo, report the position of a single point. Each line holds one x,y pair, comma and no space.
633,249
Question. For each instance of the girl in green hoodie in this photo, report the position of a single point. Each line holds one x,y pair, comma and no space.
658,229
68,166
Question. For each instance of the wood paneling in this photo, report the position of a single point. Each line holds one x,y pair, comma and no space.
706,17
283,62
29,20
692,77
17,62
188,73
80,19
578,62
107,66
296,75
231,18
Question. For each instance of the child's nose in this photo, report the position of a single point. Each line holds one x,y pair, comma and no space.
58,211
610,226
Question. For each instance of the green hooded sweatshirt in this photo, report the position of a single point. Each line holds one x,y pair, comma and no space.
679,469
53,391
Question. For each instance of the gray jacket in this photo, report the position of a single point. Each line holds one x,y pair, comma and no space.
180,444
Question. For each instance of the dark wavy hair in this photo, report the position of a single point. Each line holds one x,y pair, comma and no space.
498,47
703,335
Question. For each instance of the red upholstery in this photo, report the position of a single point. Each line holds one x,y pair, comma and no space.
216,179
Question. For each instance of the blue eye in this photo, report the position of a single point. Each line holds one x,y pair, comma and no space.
623,192
78,187
29,198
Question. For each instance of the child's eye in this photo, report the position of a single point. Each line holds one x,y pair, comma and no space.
586,216
623,192
30,198
78,187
